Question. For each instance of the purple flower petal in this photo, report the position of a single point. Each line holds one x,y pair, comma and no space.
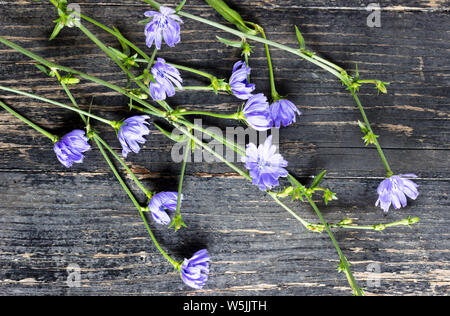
238,81
393,191
131,134
166,76
265,165
257,113
194,271
160,202
70,148
284,112
164,24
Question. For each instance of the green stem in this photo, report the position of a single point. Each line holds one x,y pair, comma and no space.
136,203
51,65
275,95
69,94
68,107
223,116
152,59
52,137
196,88
379,227
241,151
376,143
111,55
108,52
194,71
124,165
74,102
343,259
211,151
306,224
247,64
180,184
252,37
239,171
322,63
147,59
117,35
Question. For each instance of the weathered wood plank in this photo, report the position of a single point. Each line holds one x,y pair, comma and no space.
257,248
52,217
397,5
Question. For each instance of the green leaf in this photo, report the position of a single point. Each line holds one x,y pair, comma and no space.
329,196
363,127
381,86
125,47
139,94
237,44
145,21
69,80
43,69
318,179
356,74
58,27
118,53
231,16
300,39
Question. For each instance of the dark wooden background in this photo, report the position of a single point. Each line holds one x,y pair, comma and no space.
52,217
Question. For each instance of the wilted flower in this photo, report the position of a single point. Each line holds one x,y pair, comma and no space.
257,112
265,165
394,190
131,132
160,202
194,272
165,76
283,112
239,81
165,23
70,148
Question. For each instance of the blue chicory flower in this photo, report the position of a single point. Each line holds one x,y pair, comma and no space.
131,133
194,272
238,81
394,190
265,165
283,112
165,23
165,76
160,202
257,112
70,148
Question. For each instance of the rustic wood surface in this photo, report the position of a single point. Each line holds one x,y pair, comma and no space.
52,217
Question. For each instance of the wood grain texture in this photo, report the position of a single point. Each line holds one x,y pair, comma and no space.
52,217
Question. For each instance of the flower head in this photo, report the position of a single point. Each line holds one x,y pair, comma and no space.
165,76
238,81
160,202
165,23
257,112
394,190
265,165
283,112
70,148
131,133
194,272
